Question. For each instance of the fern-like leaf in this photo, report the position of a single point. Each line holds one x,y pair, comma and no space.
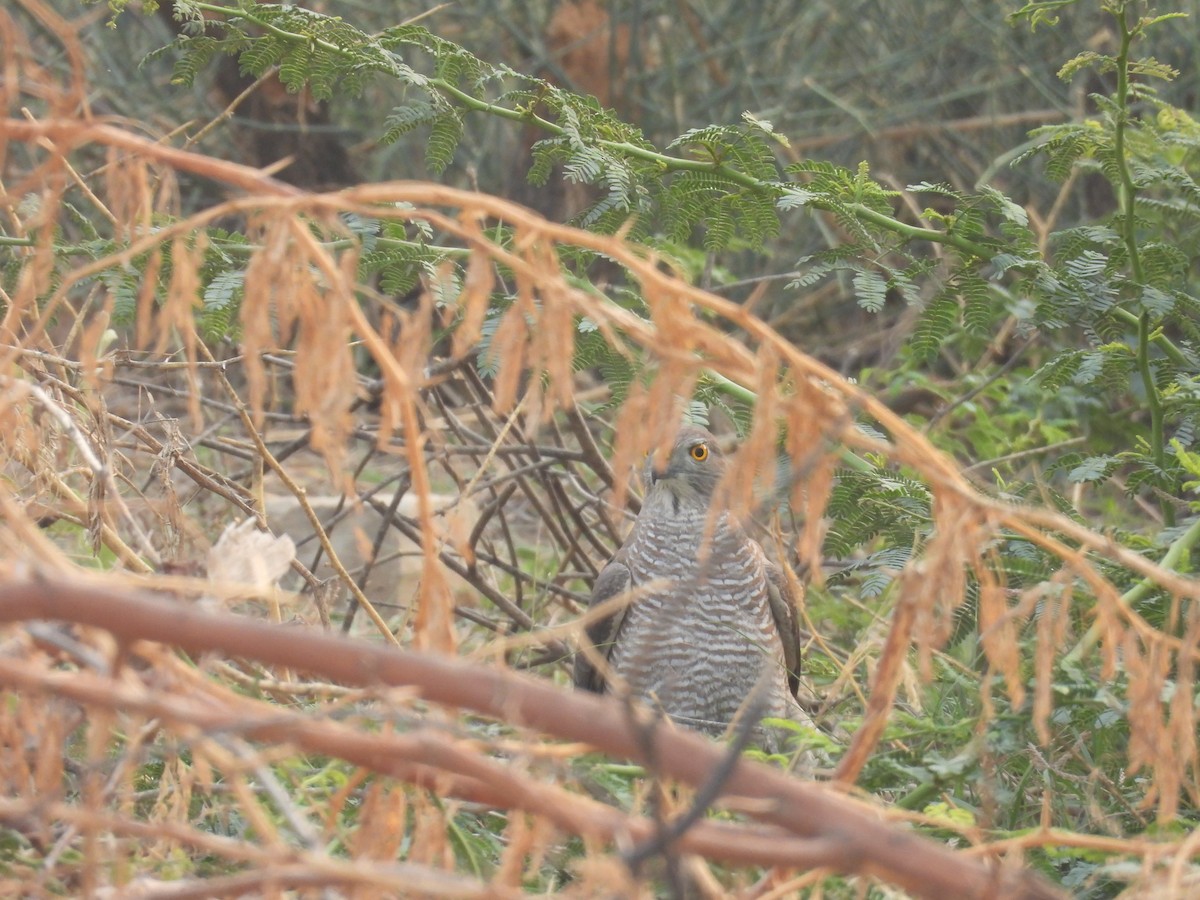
935,324
443,141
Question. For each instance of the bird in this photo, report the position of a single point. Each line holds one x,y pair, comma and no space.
711,621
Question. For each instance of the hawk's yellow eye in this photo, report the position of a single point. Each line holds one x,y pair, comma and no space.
699,452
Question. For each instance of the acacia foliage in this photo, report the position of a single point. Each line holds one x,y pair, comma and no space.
1019,712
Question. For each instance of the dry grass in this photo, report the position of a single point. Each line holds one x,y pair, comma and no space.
166,745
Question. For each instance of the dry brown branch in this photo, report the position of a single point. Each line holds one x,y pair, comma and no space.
71,133
425,758
522,448
287,869
859,842
820,398
909,447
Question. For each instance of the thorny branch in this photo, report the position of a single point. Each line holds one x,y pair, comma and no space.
859,841
440,423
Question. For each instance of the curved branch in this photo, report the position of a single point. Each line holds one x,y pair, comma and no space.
868,846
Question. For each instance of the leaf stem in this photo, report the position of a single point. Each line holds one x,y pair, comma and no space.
666,161
1139,592
732,389
980,251
1127,195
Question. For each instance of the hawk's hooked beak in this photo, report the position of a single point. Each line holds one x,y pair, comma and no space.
656,472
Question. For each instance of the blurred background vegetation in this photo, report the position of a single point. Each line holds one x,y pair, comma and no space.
940,92
1038,397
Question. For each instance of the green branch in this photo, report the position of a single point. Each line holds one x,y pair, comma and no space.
1142,590
1156,337
666,162
912,233
1147,335
1127,196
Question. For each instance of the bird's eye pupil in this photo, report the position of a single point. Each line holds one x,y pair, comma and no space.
700,453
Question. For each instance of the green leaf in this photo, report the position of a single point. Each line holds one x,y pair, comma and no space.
1094,468
935,324
871,290
224,290
404,119
443,141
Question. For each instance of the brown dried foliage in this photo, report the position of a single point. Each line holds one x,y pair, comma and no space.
91,437
592,49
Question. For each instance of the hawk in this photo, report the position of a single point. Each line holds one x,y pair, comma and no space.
711,620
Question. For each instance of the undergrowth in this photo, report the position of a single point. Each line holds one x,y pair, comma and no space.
1001,613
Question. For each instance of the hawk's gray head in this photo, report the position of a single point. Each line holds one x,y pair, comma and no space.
691,470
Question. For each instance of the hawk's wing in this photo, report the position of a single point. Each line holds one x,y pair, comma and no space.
783,611
613,580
